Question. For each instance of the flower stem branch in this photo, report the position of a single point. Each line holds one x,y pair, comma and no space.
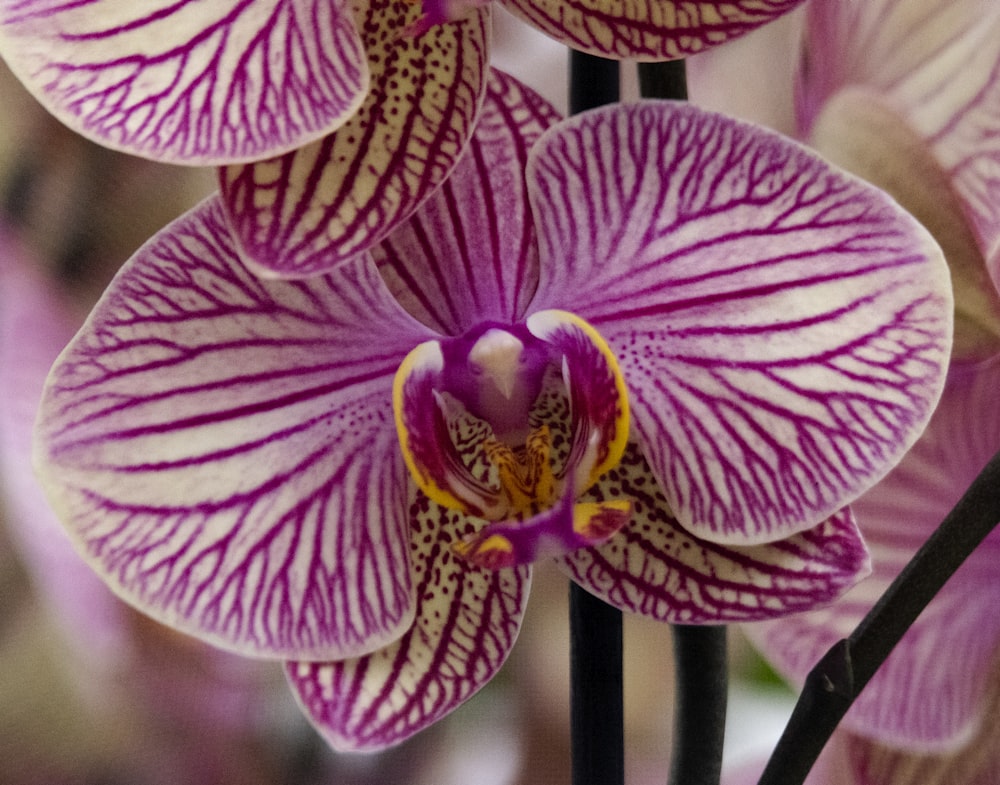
846,668
700,704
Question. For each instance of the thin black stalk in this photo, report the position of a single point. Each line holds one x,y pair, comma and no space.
700,705
596,705
663,80
593,81
846,668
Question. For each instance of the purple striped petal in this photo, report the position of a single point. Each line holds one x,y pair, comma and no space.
783,326
938,65
655,568
467,621
663,30
186,82
919,697
223,450
308,211
469,255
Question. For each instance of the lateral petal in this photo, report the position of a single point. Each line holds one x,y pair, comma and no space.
466,624
783,326
222,450
319,205
189,82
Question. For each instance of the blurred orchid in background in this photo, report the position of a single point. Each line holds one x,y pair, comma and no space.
678,339
905,93
935,690
191,706
332,121
857,759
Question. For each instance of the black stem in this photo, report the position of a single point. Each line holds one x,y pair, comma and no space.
700,705
596,704
846,668
663,80
593,81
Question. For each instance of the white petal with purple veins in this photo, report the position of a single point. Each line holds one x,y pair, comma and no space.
189,82
223,452
467,622
662,30
783,326
309,211
469,254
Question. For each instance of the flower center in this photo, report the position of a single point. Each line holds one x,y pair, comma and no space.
510,424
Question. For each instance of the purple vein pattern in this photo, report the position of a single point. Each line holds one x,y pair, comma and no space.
782,348
467,622
306,212
189,82
223,448
660,570
663,30
216,443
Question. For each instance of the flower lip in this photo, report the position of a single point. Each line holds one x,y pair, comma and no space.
510,423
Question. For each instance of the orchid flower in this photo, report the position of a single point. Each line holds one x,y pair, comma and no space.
291,99
332,121
658,346
931,692
905,93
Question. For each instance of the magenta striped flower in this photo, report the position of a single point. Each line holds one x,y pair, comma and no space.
331,121
658,346
905,93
